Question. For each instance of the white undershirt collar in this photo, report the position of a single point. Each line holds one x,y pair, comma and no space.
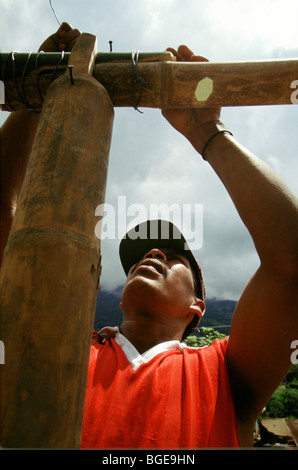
132,354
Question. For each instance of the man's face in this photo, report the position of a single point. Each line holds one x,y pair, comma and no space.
161,283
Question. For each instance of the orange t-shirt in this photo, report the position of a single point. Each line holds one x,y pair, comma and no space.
172,396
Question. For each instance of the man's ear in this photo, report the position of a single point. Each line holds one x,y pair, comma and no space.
198,307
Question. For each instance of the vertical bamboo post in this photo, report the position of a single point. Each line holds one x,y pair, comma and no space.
51,265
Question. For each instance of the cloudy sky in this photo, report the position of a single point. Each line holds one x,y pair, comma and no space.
150,163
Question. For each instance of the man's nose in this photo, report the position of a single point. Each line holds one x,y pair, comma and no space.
155,253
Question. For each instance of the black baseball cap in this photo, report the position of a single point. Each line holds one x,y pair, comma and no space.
158,233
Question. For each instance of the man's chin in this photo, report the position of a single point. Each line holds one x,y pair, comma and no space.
143,288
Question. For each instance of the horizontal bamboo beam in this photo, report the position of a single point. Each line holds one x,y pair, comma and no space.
14,64
28,76
156,82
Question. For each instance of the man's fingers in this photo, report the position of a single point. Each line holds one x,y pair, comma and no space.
198,58
189,56
64,27
63,40
68,39
184,54
60,33
175,53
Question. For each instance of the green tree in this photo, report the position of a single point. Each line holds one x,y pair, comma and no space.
207,336
284,401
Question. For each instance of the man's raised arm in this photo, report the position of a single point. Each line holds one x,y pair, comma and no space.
265,322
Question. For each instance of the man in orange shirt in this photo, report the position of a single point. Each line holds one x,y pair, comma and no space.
154,391
252,363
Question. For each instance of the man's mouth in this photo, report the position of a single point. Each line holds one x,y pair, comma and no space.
150,264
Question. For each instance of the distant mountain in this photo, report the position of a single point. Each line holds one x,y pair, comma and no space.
108,313
219,314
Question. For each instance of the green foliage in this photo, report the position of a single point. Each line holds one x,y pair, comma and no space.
207,336
282,404
284,401
292,377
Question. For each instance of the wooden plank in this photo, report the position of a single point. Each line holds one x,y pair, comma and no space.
83,55
51,266
169,84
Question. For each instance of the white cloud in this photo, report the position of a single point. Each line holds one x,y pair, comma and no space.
264,25
149,161
274,162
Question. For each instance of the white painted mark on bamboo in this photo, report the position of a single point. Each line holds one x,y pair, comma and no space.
204,89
